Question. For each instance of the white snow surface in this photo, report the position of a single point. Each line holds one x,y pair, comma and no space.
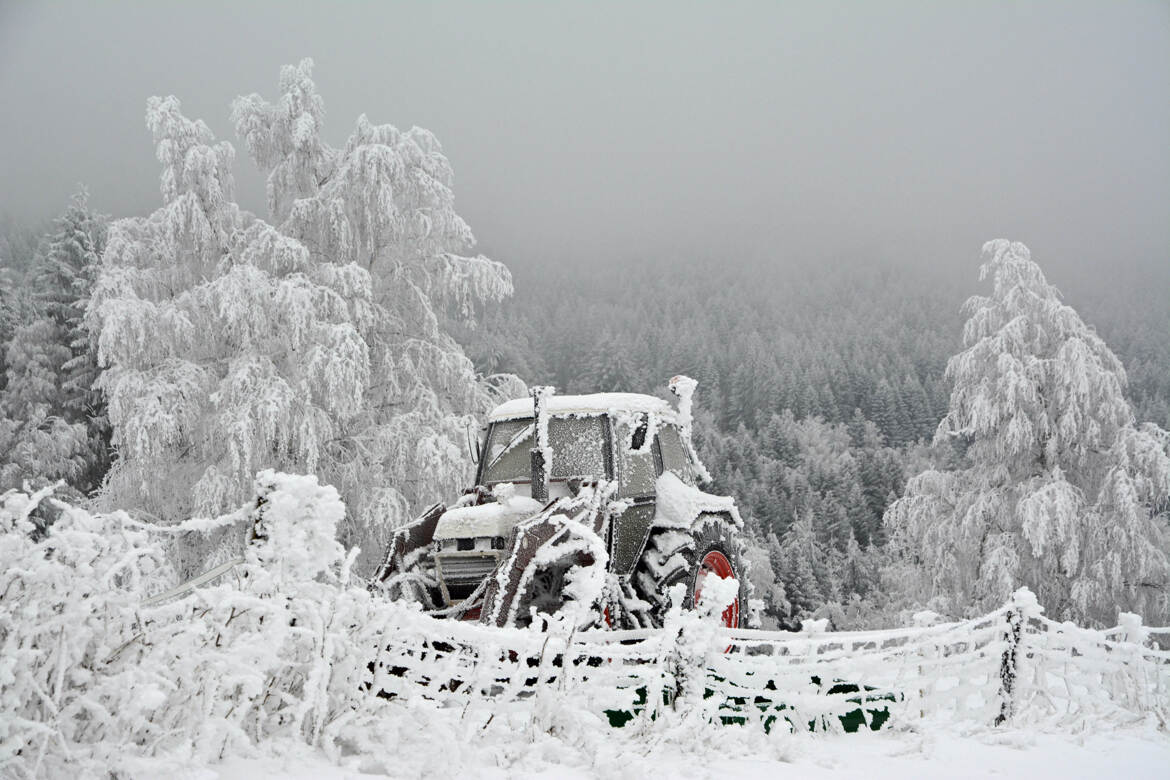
437,750
494,519
679,503
595,403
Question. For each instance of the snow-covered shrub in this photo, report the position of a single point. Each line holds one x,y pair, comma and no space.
69,611
91,678
291,649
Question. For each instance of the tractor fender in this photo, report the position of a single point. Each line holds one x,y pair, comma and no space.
679,505
505,587
409,538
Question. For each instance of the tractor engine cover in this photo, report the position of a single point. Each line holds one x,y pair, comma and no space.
470,541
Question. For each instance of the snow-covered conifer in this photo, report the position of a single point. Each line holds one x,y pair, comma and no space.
765,583
53,425
802,566
1058,491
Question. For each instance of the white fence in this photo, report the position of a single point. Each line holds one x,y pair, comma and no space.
1011,666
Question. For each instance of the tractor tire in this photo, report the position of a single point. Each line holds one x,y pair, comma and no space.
544,593
673,556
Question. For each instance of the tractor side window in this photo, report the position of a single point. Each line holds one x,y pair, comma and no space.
674,454
578,445
638,467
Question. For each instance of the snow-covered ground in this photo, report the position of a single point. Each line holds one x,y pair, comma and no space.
1131,755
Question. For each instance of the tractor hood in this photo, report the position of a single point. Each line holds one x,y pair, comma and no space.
492,519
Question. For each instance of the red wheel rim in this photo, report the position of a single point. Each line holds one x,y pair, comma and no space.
715,562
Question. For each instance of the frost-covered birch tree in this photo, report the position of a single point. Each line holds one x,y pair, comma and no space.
384,202
313,344
1058,490
226,346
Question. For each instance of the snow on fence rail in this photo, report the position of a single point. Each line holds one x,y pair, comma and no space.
1010,666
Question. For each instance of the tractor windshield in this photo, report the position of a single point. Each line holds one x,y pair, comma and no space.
578,447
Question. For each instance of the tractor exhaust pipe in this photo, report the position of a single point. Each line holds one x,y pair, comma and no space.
541,454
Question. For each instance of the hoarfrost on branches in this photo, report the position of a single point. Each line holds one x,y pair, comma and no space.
225,348
1059,490
312,344
93,680
384,204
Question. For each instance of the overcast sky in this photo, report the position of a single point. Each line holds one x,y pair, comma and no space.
626,130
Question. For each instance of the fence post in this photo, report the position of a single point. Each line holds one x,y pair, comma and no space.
1136,684
923,619
1132,628
1022,606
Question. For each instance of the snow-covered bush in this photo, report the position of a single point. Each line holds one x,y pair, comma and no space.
69,612
91,678
95,678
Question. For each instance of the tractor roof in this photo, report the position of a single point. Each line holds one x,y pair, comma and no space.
597,403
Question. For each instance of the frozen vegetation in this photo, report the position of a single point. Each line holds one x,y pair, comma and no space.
974,552
286,656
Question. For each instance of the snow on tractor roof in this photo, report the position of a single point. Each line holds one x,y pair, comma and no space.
595,403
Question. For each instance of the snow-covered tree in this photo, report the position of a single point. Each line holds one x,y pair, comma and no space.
855,570
313,345
765,584
36,442
1058,489
384,203
53,425
227,347
802,566
8,318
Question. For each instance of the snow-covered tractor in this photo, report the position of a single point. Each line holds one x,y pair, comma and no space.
586,503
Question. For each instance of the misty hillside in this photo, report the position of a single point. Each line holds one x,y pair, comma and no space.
819,338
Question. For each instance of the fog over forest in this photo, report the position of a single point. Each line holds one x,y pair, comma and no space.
785,201
764,132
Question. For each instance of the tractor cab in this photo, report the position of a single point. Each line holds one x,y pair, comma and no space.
623,437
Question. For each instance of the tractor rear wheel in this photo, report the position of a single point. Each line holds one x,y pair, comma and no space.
672,555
